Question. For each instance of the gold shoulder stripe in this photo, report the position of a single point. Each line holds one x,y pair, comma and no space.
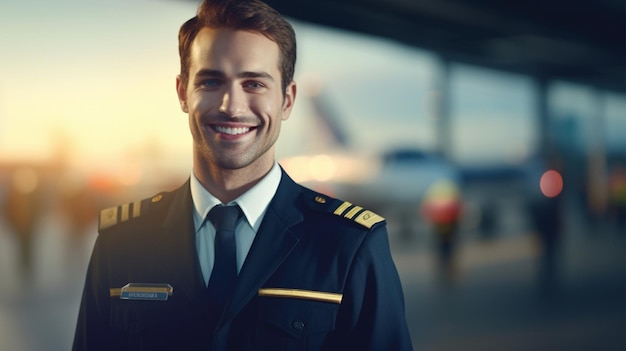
108,217
342,208
136,208
302,294
111,216
363,217
125,212
368,218
353,212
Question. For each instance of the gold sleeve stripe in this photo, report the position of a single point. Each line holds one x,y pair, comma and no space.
368,219
115,292
353,212
302,294
125,212
342,208
136,209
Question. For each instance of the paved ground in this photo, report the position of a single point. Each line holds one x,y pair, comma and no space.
494,302
39,312
499,301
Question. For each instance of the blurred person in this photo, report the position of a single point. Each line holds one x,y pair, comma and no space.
546,213
23,207
548,225
310,272
446,238
617,195
78,205
443,209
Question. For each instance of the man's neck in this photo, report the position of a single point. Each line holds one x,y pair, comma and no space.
227,184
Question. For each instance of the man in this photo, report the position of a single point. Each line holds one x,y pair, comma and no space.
312,272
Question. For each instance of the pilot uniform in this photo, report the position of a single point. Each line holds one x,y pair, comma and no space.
319,276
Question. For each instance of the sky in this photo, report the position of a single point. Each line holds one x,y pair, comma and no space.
98,79
97,75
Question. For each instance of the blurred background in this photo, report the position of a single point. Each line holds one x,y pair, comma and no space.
491,136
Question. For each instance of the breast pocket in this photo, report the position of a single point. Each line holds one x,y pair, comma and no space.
293,323
134,316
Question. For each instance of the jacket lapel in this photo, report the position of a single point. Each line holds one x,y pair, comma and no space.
273,242
179,240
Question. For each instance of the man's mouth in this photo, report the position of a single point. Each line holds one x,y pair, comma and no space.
231,131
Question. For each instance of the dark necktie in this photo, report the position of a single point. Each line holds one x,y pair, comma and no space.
224,274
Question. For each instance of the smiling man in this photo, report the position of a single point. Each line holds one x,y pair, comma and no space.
236,103
240,257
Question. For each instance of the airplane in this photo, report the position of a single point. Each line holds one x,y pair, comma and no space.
417,187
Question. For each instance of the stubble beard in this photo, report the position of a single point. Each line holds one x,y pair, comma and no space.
230,159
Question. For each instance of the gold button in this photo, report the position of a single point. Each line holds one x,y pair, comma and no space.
157,198
320,199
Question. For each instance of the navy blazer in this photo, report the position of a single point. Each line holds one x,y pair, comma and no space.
319,276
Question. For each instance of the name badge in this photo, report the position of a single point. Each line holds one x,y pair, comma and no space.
143,291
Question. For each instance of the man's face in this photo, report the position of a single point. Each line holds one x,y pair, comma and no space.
234,98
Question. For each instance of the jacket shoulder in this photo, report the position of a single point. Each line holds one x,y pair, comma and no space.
113,216
334,207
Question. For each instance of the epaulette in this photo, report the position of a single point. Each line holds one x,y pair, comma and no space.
345,209
122,213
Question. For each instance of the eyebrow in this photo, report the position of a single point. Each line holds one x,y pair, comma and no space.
246,74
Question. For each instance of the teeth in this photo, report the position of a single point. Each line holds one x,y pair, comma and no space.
231,131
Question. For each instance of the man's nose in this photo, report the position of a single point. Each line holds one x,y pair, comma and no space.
233,102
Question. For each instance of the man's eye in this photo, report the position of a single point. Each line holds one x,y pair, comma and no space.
254,85
210,83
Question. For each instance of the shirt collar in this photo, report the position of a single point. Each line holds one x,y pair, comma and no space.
253,202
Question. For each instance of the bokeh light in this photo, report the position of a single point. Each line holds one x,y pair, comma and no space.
551,183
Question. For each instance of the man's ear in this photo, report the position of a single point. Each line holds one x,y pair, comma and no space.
181,90
289,100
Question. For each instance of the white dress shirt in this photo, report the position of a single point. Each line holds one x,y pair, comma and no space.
253,204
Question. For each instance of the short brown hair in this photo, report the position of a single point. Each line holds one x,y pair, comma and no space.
248,15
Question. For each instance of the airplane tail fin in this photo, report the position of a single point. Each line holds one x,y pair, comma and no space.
328,117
